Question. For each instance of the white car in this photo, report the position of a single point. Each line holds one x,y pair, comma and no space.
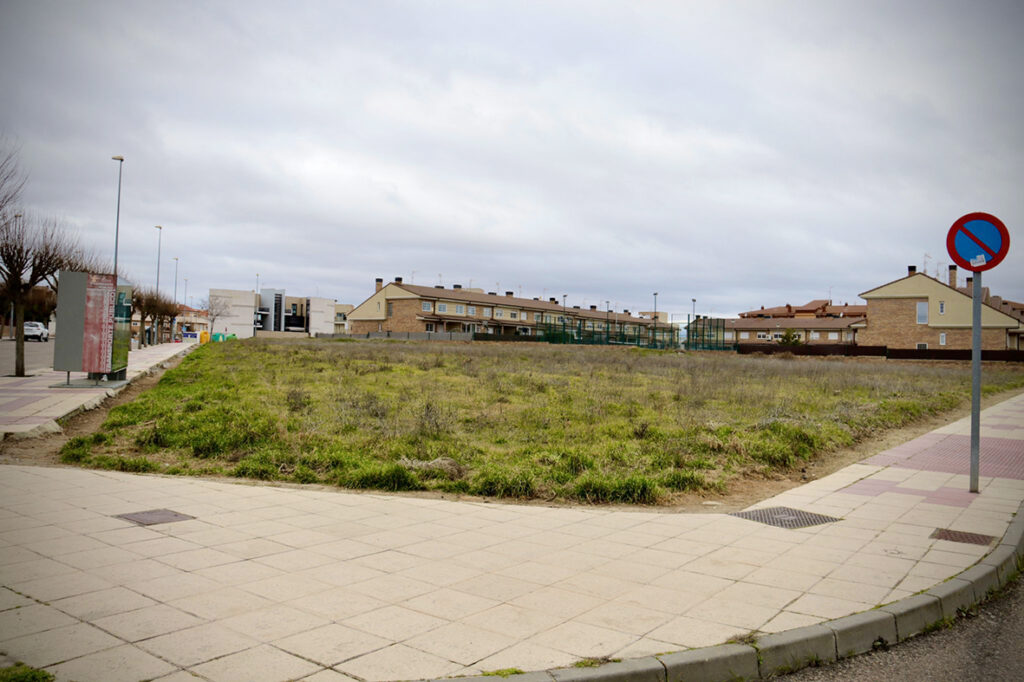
37,331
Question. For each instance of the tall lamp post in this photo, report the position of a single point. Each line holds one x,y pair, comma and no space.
159,239
117,216
607,321
175,280
655,339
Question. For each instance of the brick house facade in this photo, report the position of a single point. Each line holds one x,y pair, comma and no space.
918,311
400,307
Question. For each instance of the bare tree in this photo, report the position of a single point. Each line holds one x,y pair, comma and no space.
12,180
216,306
31,251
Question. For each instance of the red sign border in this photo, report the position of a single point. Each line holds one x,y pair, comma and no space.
963,220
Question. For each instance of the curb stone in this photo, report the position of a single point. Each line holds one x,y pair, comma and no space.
720,663
790,650
914,614
638,669
984,578
953,595
857,634
1005,561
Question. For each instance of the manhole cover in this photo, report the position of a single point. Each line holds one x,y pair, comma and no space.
153,517
785,517
961,536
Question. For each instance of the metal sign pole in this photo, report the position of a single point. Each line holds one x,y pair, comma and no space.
975,379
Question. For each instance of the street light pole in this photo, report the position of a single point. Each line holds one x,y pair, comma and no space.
175,280
607,321
159,239
117,216
655,339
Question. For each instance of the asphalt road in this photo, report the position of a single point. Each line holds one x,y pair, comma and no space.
985,646
37,356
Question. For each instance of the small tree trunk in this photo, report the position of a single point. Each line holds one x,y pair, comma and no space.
19,336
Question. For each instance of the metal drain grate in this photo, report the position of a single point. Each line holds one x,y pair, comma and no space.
961,536
785,517
153,517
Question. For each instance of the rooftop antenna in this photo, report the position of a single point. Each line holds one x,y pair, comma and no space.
520,291
924,263
412,278
439,279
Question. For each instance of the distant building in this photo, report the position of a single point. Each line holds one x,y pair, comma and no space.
401,307
271,312
918,311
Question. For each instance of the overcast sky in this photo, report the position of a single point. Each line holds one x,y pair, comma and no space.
739,153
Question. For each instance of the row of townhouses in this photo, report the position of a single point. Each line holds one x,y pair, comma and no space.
915,311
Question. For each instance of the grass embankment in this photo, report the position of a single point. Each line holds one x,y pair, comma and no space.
583,423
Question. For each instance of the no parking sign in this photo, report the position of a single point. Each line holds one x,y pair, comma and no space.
977,242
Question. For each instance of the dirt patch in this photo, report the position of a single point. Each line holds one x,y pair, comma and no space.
45,450
743,492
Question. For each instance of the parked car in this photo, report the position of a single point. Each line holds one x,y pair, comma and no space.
37,331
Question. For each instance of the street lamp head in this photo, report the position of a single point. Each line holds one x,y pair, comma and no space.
117,158
159,227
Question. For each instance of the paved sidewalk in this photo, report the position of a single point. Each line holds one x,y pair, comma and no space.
278,583
30,406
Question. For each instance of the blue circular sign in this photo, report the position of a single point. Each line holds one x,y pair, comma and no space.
978,241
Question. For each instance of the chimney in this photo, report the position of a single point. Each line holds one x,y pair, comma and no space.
398,280
509,293
593,307
911,269
553,299
625,311
492,293
439,286
970,286
575,307
952,276
378,283
456,286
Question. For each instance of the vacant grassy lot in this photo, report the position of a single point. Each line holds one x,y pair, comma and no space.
531,420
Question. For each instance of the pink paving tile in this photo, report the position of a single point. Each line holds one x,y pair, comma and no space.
872,487
950,453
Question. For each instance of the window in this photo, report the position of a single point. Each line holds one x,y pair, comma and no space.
942,307
472,310
536,317
391,308
430,326
487,312
922,312
728,336
513,315
744,335
833,336
777,335
442,307
499,313
762,335
922,346
815,336
942,339
547,318
426,307
295,308
460,309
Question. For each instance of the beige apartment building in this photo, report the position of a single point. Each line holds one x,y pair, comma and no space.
401,307
918,311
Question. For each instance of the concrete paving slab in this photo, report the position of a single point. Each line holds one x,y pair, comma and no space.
386,587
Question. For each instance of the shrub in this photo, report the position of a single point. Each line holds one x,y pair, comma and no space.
390,476
684,480
138,465
258,467
503,483
76,450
